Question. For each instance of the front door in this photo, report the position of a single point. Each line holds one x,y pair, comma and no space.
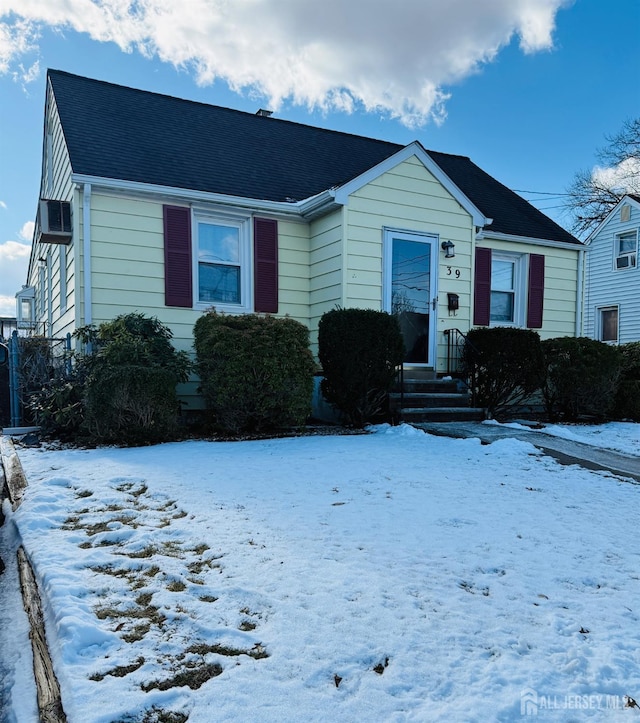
410,294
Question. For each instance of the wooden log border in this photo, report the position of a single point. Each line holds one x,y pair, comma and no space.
47,686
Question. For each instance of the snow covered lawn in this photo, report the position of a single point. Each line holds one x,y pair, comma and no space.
393,576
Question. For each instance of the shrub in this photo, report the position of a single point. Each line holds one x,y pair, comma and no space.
130,390
359,350
581,377
504,366
122,391
256,371
627,402
58,408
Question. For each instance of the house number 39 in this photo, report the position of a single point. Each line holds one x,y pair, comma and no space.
453,272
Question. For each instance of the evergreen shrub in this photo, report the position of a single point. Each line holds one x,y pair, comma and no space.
504,366
122,390
627,403
256,371
359,351
581,377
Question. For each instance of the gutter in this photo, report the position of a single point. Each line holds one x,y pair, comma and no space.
288,208
489,235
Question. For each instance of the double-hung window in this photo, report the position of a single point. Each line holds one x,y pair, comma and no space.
503,290
222,258
508,289
626,249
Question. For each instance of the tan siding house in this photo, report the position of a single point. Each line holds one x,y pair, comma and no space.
341,221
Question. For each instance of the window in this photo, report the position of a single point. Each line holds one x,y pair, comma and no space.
219,264
508,289
503,290
608,324
626,245
209,260
223,273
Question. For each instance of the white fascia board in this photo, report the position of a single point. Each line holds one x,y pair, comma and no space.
188,196
495,236
624,199
412,149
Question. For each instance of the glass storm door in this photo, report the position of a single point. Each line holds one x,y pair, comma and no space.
410,292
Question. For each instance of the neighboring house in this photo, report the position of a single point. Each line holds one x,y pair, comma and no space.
612,276
168,207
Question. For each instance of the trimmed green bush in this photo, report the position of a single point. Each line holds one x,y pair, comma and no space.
504,366
581,377
627,404
359,350
256,371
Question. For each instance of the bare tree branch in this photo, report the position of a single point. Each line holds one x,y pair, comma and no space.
593,193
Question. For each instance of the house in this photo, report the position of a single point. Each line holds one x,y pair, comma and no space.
168,207
612,277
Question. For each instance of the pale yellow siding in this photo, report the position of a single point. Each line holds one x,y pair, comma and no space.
325,269
127,269
409,198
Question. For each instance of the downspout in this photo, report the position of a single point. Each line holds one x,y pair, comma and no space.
580,292
49,296
345,257
86,253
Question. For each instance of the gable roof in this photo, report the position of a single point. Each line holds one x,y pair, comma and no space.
117,132
625,199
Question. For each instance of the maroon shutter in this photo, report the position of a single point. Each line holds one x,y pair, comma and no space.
482,288
536,291
178,290
265,256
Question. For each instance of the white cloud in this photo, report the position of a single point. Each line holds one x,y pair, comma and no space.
388,56
26,232
14,260
3,204
625,176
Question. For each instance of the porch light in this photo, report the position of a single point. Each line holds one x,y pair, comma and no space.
449,249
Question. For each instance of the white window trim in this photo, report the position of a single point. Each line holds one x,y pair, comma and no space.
243,224
617,255
520,288
599,325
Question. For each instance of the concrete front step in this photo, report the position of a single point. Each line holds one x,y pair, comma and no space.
442,414
428,399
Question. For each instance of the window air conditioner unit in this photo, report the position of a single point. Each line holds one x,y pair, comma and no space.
55,222
626,261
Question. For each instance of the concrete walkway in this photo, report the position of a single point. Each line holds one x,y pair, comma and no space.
564,450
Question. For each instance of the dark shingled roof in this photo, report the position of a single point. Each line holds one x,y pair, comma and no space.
122,133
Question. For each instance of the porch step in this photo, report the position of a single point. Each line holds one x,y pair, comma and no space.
432,400
443,414
428,399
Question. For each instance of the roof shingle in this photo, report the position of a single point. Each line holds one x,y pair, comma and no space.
117,132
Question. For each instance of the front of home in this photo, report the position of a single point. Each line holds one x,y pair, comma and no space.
612,277
166,207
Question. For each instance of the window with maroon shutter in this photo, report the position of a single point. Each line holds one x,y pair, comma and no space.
535,301
178,290
265,258
482,287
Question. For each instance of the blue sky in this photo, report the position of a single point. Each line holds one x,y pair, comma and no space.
527,88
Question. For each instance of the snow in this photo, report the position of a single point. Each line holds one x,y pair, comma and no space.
392,576
621,437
